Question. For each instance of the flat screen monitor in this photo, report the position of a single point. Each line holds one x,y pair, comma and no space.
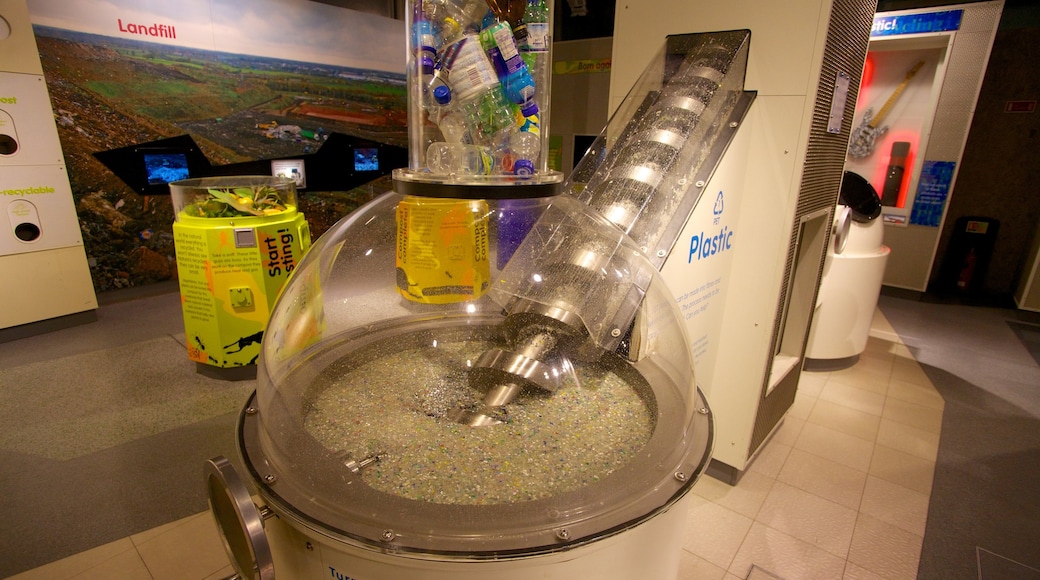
366,159
161,168
157,166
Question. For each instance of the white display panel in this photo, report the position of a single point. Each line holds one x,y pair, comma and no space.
27,122
17,43
697,270
40,197
41,246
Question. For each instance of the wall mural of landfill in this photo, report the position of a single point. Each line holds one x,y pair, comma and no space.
246,79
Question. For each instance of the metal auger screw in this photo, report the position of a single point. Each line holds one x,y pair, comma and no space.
271,478
250,410
680,476
615,333
388,535
563,534
700,183
703,411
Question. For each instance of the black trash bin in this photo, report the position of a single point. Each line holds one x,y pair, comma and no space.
968,255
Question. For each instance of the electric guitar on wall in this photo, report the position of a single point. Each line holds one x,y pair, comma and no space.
861,143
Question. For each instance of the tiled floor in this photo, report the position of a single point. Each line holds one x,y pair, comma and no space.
840,491
186,549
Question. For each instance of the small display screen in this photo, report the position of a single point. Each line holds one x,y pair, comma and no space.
366,159
161,168
291,168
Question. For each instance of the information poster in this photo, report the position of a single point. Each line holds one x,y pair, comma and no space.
247,80
932,190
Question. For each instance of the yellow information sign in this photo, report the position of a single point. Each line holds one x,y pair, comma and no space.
577,67
230,271
442,249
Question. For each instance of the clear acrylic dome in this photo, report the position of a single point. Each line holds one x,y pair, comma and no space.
478,377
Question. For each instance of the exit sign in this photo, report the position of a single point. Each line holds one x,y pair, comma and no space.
1019,106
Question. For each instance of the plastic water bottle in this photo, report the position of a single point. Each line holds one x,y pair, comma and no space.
453,126
524,147
458,159
455,19
426,42
534,44
476,91
489,119
444,114
511,70
436,92
470,73
535,36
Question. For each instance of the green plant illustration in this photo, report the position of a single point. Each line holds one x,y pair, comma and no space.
260,200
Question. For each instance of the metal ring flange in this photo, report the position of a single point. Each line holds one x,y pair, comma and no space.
239,520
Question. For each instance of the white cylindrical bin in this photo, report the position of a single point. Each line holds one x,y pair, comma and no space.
848,295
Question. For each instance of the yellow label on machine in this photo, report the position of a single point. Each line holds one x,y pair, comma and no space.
442,249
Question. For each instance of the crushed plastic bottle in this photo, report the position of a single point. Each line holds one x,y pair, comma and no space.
452,126
455,19
524,147
459,159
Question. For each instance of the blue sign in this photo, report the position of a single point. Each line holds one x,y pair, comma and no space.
932,190
916,23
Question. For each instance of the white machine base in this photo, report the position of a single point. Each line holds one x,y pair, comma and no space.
623,556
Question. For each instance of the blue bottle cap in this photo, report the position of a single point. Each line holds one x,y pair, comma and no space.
523,167
530,109
442,95
427,64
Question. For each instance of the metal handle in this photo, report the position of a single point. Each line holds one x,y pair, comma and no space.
842,225
239,520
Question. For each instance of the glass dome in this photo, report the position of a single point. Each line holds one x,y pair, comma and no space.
478,377
249,197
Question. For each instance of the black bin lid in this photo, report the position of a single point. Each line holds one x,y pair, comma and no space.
860,196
